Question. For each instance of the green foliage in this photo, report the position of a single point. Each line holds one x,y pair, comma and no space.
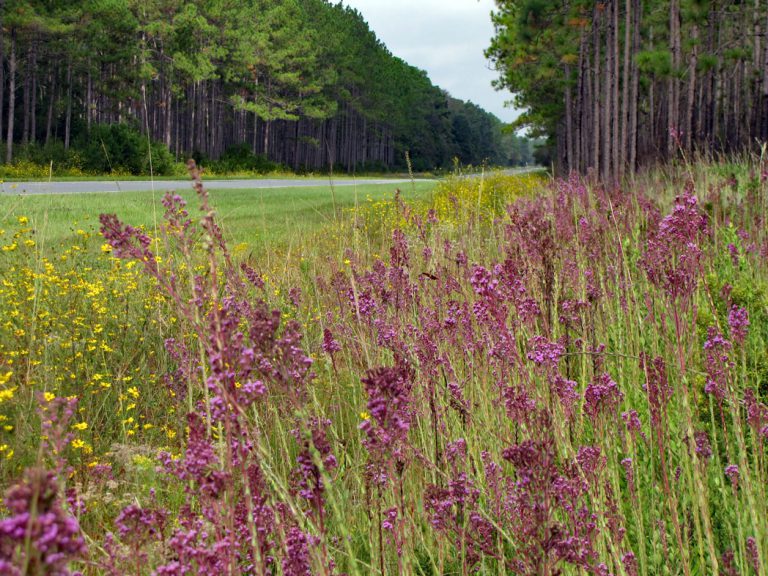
121,148
302,83
240,158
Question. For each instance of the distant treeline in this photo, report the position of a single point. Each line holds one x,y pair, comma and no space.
621,83
302,83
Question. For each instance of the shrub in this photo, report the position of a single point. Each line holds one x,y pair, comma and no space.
122,148
240,158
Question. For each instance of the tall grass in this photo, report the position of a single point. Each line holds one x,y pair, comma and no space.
516,377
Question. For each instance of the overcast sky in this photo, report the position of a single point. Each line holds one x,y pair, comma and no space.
444,37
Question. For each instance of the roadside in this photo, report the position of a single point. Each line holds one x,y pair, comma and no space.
105,186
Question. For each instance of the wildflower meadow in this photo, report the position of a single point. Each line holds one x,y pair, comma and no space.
514,375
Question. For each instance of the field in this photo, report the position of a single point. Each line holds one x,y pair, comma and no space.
502,375
271,217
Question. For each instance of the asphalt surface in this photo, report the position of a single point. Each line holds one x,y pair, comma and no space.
15,188
107,186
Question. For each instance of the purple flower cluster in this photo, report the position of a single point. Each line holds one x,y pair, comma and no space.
718,364
545,353
390,413
39,535
314,458
672,259
454,510
330,345
657,389
602,396
738,320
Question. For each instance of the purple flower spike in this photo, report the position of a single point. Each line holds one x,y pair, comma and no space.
39,531
738,320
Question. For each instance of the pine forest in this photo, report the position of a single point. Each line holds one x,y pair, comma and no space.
301,83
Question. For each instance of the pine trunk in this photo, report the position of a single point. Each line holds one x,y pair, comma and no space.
606,104
26,97
625,84
11,98
616,137
635,85
596,93
673,89
568,120
33,99
52,97
688,127
68,119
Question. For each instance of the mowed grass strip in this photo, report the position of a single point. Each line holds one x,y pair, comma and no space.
258,217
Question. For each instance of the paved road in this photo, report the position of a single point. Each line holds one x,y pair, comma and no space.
9,188
162,185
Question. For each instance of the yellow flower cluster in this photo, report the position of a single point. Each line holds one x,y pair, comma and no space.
454,201
462,199
73,322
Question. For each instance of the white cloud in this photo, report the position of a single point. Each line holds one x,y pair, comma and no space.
446,38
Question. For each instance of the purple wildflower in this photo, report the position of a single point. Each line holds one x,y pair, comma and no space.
753,554
390,520
732,471
672,259
629,472
632,421
757,412
703,447
566,393
738,320
657,388
630,564
297,560
602,396
542,352
39,534
717,364
330,345
307,474
734,252
728,562
386,428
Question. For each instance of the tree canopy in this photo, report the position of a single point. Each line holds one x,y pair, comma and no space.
303,83
617,84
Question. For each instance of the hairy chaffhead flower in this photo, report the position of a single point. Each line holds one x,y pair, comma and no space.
602,396
307,474
672,259
387,421
542,352
389,399
39,534
738,321
657,388
297,559
753,554
717,364
330,345
703,446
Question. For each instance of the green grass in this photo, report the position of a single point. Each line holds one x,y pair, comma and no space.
243,176
258,217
